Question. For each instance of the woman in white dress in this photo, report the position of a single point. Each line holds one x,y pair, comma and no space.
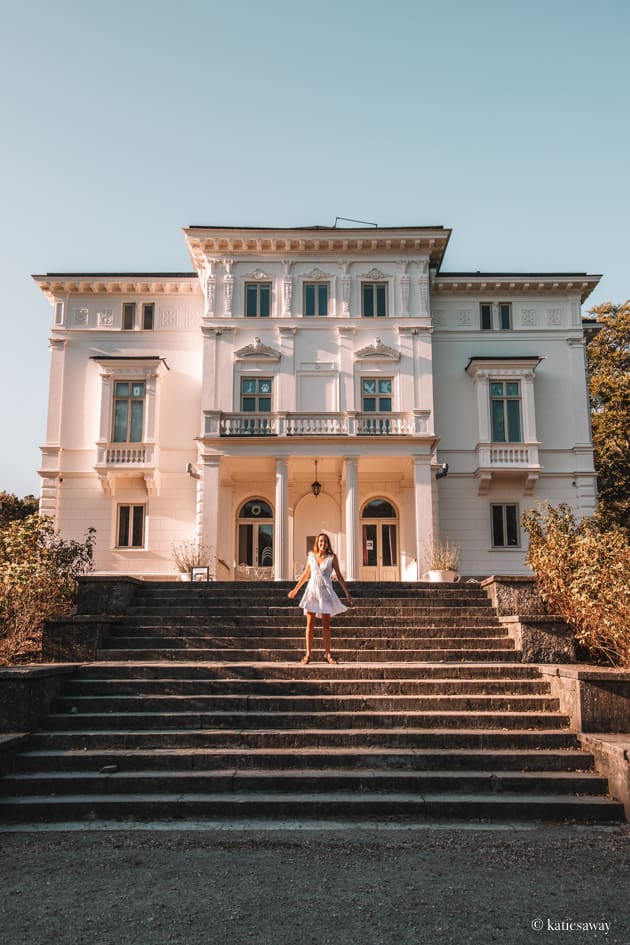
320,599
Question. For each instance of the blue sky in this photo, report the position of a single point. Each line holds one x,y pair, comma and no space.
125,121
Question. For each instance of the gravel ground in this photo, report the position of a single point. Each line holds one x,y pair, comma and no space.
344,885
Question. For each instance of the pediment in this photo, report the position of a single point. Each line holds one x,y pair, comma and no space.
257,351
377,351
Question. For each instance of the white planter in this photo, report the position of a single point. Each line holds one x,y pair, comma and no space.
444,577
184,576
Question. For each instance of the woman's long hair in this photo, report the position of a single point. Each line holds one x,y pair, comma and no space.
329,550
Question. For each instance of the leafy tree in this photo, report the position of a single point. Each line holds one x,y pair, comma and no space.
583,574
608,355
12,508
38,580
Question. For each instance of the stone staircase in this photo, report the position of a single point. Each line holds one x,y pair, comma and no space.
198,708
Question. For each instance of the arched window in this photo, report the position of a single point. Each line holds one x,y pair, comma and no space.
255,534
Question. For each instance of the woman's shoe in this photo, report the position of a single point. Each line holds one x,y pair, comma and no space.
305,660
330,659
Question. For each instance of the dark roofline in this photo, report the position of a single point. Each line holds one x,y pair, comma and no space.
117,275
334,229
512,275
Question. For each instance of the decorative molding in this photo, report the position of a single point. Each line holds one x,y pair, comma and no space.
257,352
168,318
405,283
210,291
81,316
287,295
346,288
528,317
316,274
374,273
228,292
439,317
377,351
105,318
257,274
464,318
554,316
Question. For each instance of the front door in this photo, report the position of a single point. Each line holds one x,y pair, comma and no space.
379,542
255,537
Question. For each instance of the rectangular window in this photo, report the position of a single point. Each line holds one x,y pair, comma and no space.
256,394
131,526
505,316
505,526
315,298
128,411
374,299
376,394
486,316
129,316
505,411
257,299
148,315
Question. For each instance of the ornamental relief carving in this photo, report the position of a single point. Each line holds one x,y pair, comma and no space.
168,318
374,273
228,293
464,318
105,318
554,316
257,351
439,317
257,274
316,274
379,351
287,295
80,316
528,317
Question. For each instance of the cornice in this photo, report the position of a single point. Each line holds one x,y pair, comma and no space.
55,285
209,243
508,285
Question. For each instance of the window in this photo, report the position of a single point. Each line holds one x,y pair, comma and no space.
376,394
148,314
486,316
505,411
315,298
257,299
505,526
374,299
505,316
129,315
256,394
128,411
130,526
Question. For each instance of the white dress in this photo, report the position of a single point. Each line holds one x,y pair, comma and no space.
320,597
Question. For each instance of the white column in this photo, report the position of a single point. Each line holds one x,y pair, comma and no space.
423,508
209,508
352,518
281,522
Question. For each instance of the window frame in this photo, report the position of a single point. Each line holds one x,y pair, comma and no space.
505,308
131,509
505,526
130,399
316,286
148,308
378,379
128,316
488,307
258,286
257,378
505,399
374,285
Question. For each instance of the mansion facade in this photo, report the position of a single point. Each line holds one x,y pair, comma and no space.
314,379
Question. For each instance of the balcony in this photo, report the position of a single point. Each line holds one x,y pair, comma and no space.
412,423
126,461
509,459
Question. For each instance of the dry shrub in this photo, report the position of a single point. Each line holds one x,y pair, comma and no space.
583,574
38,581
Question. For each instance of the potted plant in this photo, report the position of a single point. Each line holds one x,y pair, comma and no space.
189,554
443,561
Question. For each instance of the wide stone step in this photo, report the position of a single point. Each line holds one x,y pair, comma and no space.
315,781
383,739
384,626
91,760
419,655
191,688
261,613
289,704
316,672
308,720
432,640
321,806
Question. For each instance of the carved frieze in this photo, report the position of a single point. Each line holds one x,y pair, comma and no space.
554,317
257,351
528,317
105,318
377,351
464,318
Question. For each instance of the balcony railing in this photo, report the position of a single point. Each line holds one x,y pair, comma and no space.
507,459
126,454
413,423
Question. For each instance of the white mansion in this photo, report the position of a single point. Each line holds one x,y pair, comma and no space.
210,405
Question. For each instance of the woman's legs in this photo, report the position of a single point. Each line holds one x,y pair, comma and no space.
310,630
326,635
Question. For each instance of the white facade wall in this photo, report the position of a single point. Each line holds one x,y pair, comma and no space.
199,464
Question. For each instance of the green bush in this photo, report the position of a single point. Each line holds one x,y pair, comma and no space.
38,581
583,574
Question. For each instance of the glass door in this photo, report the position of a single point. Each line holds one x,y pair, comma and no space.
379,542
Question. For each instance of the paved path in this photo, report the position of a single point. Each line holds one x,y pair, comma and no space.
193,884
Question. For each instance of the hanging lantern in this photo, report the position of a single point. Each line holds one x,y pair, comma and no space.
316,487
